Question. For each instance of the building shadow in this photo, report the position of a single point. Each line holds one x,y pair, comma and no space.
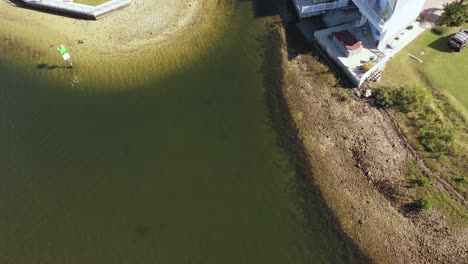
286,16
45,66
264,8
442,45
431,15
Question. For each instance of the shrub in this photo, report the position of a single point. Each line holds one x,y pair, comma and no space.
417,176
408,97
410,27
421,182
439,30
455,14
413,97
411,169
386,97
434,137
424,203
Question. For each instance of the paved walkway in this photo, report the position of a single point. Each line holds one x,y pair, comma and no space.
78,10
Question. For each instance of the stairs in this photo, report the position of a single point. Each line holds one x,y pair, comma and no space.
361,22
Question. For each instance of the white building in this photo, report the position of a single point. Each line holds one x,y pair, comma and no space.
387,18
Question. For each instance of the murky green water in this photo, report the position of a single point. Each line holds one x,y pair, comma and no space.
185,169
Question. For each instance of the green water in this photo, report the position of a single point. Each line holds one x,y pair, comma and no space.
183,169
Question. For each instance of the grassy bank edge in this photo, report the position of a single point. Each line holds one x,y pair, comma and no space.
414,116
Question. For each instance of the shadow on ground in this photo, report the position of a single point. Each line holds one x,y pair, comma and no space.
287,18
45,66
442,45
431,15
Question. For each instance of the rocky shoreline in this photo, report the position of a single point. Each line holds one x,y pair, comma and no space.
354,157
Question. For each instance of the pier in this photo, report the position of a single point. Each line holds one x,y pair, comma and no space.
77,10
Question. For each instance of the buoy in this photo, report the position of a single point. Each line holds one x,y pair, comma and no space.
65,55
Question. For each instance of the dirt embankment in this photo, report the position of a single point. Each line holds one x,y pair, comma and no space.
355,159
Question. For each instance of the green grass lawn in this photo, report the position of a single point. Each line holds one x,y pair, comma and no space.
442,69
90,2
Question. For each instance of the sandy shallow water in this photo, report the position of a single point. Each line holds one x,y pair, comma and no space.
163,34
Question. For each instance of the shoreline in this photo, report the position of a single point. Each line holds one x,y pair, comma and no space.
152,33
354,157
364,214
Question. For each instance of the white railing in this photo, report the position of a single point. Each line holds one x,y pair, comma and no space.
368,10
308,6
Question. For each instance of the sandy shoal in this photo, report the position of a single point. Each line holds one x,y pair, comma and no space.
161,29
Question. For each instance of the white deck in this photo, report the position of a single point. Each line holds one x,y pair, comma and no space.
351,65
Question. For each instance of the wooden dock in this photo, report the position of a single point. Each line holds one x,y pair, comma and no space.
77,10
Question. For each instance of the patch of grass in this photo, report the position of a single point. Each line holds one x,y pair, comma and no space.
433,135
434,130
342,94
415,175
442,200
442,70
406,97
436,123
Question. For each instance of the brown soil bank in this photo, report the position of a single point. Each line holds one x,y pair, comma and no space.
355,159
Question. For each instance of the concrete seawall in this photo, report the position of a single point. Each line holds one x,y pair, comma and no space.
78,10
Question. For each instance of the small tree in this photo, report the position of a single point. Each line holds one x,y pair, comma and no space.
455,14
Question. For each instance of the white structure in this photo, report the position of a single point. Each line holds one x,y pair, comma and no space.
76,9
387,18
307,8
